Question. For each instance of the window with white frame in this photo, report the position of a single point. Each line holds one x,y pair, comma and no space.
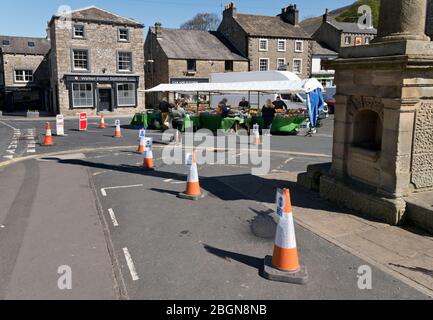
264,64
263,44
281,64
281,45
23,76
79,31
123,34
81,59
347,40
299,46
126,95
297,66
124,61
82,95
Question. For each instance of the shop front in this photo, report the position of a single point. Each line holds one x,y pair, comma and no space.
102,93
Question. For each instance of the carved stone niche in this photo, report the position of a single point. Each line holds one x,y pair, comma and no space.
365,116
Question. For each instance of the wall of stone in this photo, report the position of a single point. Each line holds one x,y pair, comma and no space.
37,63
329,35
273,54
422,163
102,42
235,34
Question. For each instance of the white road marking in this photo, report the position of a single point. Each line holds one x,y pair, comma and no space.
278,169
104,190
7,125
113,217
31,150
131,265
8,157
168,180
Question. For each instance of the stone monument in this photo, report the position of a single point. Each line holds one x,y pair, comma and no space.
383,135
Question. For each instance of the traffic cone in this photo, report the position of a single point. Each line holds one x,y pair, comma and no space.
284,265
48,141
141,146
193,190
149,162
257,140
102,123
118,133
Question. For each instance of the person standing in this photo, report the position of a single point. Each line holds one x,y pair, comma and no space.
164,108
223,108
244,104
280,104
268,113
178,115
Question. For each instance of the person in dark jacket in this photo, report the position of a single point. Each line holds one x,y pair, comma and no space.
268,113
164,107
280,104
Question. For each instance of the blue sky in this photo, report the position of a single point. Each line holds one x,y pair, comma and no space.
29,17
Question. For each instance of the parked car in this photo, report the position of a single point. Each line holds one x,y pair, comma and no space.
328,95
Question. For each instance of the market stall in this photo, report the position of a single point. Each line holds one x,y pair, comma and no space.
284,122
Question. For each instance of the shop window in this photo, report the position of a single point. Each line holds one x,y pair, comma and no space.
126,95
367,131
82,95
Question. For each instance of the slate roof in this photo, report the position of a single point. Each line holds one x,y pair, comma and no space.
95,14
268,26
196,44
311,25
348,27
19,45
322,49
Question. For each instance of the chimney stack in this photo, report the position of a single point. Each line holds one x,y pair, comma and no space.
325,16
230,10
290,15
158,30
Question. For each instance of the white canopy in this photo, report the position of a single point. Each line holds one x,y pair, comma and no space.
290,86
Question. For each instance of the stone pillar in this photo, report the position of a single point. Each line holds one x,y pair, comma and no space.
402,20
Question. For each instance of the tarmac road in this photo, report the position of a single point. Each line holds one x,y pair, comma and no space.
125,234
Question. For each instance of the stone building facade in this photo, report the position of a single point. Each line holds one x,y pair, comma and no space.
24,74
269,43
97,63
187,56
337,35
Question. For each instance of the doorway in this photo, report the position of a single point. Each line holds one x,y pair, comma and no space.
105,100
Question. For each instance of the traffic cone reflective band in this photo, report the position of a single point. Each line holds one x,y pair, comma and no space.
118,133
141,146
285,255
102,123
284,265
193,190
48,141
149,162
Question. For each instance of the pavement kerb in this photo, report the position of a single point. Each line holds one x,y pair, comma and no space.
412,283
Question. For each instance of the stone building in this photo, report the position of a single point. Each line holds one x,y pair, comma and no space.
24,74
270,43
337,35
322,53
97,62
187,56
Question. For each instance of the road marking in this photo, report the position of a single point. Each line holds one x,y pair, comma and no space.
113,217
280,167
104,190
7,125
131,265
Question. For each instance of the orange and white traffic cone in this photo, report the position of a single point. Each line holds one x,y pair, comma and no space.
284,265
141,146
48,141
149,162
102,123
257,140
118,132
193,190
